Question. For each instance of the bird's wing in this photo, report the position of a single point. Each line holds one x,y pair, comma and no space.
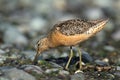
74,26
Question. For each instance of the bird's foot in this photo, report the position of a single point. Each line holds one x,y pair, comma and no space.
78,71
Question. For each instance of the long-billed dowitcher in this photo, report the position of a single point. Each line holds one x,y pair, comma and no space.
69,33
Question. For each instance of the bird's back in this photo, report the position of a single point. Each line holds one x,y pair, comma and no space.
75,26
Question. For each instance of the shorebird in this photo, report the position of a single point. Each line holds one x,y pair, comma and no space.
69,33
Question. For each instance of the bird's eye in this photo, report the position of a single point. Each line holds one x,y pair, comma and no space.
38,43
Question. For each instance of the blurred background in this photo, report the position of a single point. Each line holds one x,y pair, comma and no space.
24,22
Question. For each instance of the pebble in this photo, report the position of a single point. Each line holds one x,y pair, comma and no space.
109,48
13,36
118,68
38,24
101,63
48,71
1,51
78,76
16,74
110,76
29,68
63,72
86,57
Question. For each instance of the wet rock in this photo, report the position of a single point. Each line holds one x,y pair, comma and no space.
16,74
13,36
86,57
101,63
30,68
77,76
109,48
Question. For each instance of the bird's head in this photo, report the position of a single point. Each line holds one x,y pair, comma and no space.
42,45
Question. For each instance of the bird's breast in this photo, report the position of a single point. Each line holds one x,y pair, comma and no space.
59,39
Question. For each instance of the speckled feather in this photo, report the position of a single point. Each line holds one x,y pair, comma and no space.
74,26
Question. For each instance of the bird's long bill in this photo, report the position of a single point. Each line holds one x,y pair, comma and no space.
36,56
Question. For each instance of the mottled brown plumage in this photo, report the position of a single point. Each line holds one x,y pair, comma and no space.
75,26
69,33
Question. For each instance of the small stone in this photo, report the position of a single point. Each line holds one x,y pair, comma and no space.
78,76
109,48
1,51
29,68
86,57
37,24
63,72
110,76
101,63
48,71
118,68
13,36
105,60
16,74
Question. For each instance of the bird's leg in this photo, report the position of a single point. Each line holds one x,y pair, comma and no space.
70,57
80,62
80,59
